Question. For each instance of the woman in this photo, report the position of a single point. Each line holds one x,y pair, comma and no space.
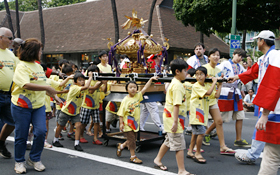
28,104
213,71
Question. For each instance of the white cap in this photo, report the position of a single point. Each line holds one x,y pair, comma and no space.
265,34
126,60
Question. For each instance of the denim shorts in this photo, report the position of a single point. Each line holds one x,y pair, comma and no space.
198,129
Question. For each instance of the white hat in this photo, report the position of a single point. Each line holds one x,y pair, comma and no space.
265,34
126,60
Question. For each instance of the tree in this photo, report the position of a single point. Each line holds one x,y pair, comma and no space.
208,16
17,19
116,22
9,17
56,3
42,30
2,6
151,16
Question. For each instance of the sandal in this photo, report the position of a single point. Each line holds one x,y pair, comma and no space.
119,150
161,167
194,150
227,151
190,156
135,160
89,133
199,160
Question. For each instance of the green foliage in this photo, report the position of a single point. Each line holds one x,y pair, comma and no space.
209,16
30,5
257,54
2,6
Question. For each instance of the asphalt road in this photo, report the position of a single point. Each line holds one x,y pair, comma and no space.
100,159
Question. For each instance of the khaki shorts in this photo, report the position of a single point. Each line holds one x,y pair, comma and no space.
110,117
175,141
215,106
235,115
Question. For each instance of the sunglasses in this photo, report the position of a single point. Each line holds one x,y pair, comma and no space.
9,37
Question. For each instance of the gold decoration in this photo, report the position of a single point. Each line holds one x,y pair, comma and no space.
133,21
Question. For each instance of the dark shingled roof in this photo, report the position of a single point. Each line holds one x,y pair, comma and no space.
85,27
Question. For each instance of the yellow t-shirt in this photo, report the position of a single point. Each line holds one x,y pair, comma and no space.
130,111
188,88
91,101
199,105
27,72
103,69
212,72
55,85
8,63
63,96
176,95
113,107
74,101
54,77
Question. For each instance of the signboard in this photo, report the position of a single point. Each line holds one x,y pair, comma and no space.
234,43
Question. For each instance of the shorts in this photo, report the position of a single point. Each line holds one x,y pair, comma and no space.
235,115
110,117
215,106
5,109
57,112
49,115
198,129
63,118
131,139
86,113
175,141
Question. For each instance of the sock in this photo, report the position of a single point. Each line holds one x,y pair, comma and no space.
122,146
76,142
101,123
133,156
55,139
70,133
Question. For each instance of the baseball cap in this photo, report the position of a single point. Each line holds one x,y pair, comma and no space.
266,34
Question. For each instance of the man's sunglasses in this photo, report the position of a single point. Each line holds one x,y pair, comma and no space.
9,37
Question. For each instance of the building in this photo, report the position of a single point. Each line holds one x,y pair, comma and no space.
78,32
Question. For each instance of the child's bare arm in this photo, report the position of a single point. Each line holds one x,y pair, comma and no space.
121,123
96,86
218,92
175,115
104,88
66,80
63,91
86,86
148,84
209,92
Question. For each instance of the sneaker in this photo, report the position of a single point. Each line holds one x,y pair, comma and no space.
57,144
4,152
206,140
70,134
108,130
38,166
97,142
47,145
83,140
78,147
242,143
242,157
213,133
135,160
28,145
64,129
188,132
60,137
119,150
20,167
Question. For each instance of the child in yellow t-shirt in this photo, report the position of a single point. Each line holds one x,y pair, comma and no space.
129,113
90,107
199,112
71,108
175,111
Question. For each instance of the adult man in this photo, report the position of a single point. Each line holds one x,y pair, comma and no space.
8,63
267,70
248,101
199,58
151,107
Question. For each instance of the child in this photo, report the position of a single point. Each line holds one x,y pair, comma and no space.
214,71
230,101
129,113
90,107
174,117
199,111
71,109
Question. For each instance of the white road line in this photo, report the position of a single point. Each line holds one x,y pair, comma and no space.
107,160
